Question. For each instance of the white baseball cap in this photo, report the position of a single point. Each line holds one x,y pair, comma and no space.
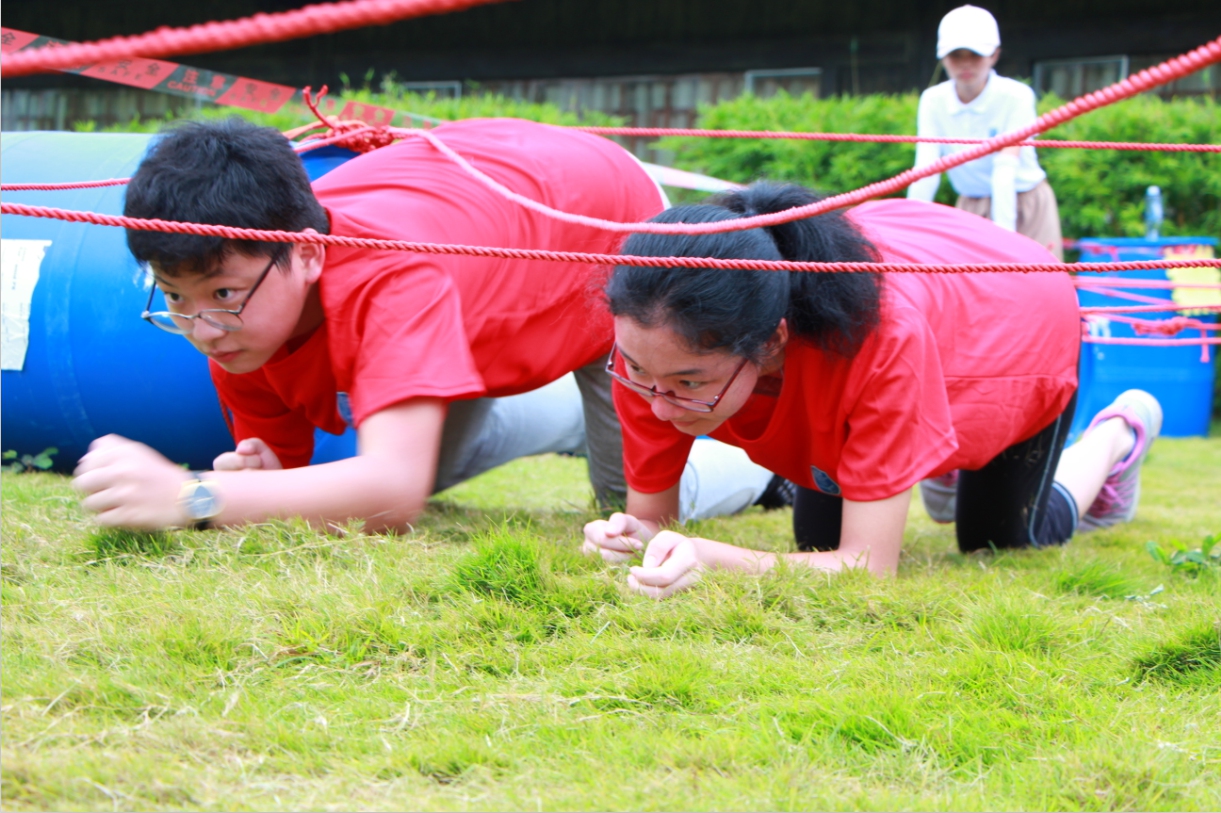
969,27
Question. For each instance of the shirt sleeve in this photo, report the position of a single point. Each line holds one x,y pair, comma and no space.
409,341
925,189
900,429
1004,191
254,410
654,452
1019,112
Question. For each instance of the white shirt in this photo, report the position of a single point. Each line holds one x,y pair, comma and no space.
1003,106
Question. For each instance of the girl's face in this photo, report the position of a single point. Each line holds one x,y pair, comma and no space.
969,71
659,357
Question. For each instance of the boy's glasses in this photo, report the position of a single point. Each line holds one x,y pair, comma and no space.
692,404
183,323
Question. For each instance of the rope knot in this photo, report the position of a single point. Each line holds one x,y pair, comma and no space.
356,136
1166,327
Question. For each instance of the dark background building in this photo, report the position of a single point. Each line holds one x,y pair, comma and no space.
652,61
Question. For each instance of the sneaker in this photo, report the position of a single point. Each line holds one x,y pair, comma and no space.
940,495
778,494
1117,500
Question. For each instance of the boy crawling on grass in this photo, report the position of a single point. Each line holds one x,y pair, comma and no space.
446,366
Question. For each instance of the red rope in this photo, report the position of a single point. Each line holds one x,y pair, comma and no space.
662,132
357,136
268,236
371,137
1128,296
1165,327
1166,306
1145,80
1095,284
322,18
1142,342
53,187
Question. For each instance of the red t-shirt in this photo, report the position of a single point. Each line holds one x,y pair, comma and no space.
960,367
401,325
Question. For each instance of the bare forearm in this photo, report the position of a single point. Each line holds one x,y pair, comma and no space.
129,485
653,511
387,496
871,537
720,555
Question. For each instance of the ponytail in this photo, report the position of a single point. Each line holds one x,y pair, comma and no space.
739,311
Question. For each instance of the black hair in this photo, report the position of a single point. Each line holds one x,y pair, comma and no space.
739,311
227,173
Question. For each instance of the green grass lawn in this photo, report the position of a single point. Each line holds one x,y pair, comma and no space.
482,663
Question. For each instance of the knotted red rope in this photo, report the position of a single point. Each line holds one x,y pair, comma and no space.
269,236
56,187
1145,80
663,132
357,136
1164,327
1158,308
1147,329
322,18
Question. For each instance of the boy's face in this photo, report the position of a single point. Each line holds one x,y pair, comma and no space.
284,306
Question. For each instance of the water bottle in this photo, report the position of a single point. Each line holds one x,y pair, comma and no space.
1153,213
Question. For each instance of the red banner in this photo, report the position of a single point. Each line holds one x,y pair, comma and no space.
197,83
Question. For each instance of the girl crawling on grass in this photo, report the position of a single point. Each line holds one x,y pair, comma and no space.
855,387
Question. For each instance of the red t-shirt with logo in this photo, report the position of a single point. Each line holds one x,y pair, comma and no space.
400,325
960,367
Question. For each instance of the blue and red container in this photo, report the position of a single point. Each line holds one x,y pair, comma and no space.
1181,378
78,360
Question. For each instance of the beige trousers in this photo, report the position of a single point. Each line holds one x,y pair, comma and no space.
1038,215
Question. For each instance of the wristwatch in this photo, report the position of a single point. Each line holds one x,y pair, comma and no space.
200,500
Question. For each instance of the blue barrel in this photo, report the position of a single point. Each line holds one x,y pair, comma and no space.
78,360
1181,378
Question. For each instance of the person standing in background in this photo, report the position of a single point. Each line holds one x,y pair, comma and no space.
1008,187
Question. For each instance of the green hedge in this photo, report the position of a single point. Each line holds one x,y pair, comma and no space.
1101,192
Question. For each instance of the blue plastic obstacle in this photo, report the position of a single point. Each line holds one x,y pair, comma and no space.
78,361
1179,377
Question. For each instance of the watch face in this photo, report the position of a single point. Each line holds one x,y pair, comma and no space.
202,503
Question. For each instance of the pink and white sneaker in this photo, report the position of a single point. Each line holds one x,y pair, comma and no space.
1117,500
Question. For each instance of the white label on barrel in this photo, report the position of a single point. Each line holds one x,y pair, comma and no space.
20,261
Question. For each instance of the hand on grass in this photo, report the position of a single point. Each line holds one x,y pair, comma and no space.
251,453
671,564
616,540
129,485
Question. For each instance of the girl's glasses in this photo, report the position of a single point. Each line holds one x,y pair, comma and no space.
692,404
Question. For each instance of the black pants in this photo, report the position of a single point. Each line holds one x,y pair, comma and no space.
1012,502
